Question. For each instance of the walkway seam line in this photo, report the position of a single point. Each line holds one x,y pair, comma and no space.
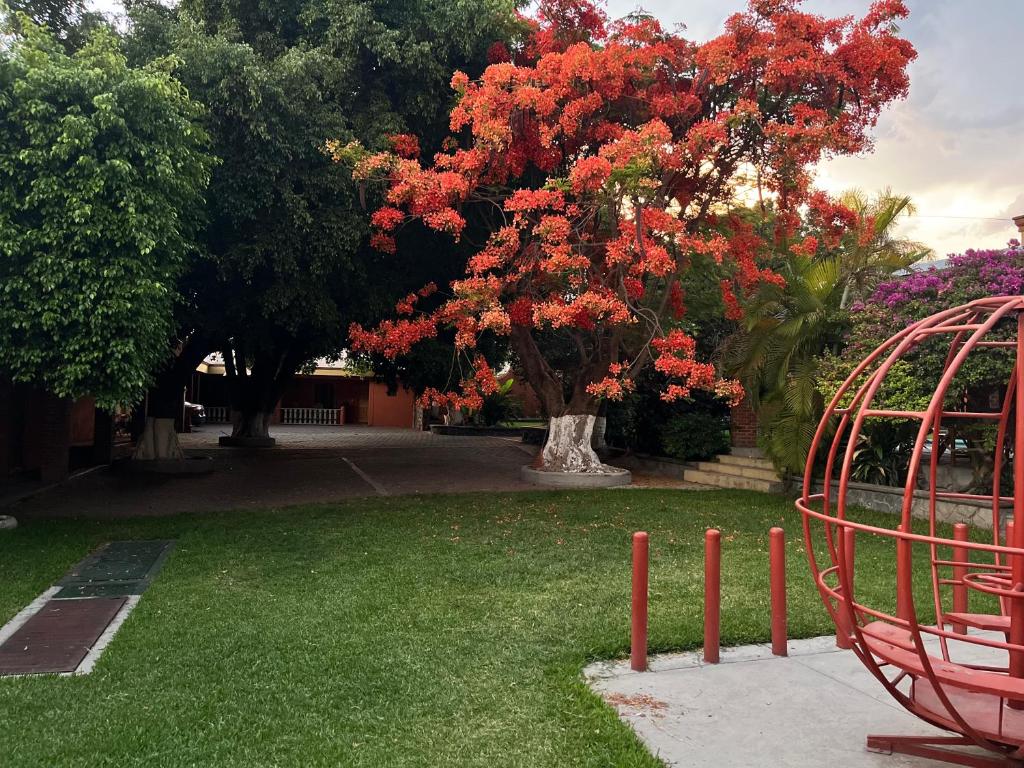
380,489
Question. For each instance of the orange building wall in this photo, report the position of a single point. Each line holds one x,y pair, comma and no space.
398,410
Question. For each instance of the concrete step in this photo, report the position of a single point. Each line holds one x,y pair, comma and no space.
745,461
722,480
741,470
750,453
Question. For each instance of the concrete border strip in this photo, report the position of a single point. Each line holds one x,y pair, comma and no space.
380,489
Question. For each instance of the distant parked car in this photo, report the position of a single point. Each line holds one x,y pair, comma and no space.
196,413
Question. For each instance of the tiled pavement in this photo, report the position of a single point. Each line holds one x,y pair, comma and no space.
309,464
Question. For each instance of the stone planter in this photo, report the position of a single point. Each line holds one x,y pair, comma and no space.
615,476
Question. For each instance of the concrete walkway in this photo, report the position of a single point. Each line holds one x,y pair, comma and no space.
308,465
813,708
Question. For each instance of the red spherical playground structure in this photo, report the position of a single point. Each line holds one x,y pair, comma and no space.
962,671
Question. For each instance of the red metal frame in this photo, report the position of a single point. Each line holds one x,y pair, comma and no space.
981,702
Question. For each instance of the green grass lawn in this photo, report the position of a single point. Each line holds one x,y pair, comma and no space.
409,631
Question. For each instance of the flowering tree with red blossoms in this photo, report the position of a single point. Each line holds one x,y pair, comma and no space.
610,155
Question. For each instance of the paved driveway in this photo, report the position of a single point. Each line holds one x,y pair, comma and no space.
309,464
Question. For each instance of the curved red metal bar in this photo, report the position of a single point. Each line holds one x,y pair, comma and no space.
968,682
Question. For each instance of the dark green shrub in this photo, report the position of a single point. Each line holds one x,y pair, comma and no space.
641,420
695,436
502,407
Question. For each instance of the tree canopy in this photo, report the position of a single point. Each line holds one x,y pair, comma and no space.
287,268
608,155
102,173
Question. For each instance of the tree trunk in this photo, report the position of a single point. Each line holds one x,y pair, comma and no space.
255,392
251,424
600,426
597,442
568,445
159,440
164,404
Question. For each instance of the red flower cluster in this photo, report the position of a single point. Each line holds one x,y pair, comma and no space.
472,390
392,337
676,360
406,145
615,385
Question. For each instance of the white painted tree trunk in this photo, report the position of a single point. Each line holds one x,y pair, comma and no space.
454,417
252,425
568,446
158,440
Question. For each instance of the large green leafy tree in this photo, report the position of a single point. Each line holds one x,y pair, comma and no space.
286,267
102,174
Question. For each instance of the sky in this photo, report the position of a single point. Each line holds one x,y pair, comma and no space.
955,145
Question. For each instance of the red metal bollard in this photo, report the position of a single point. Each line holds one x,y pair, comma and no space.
960,555
712,594
638,636
777,569
843,627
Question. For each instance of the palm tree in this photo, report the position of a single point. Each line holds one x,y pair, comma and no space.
870,253
786,330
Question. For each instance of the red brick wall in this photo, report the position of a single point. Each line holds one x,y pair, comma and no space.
743,425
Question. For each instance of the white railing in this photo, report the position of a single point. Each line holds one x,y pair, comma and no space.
315,416
217,414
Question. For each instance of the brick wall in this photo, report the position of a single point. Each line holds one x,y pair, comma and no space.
743,425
